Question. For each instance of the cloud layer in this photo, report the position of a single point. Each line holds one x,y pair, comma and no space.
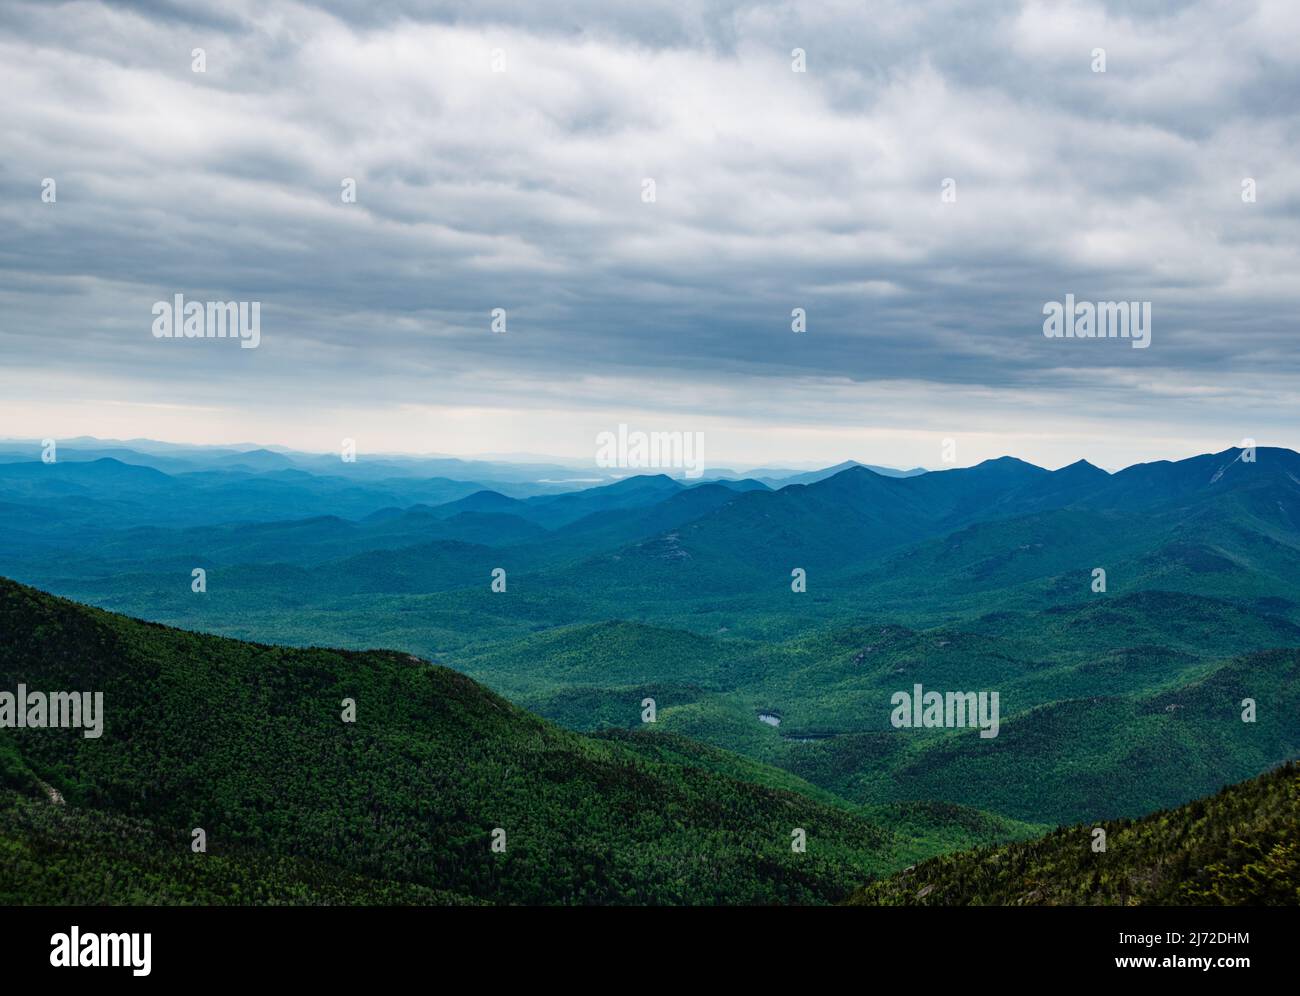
522,189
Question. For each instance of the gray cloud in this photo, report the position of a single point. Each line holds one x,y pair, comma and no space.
776,190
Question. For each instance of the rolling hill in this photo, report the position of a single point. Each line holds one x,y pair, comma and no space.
247,742
1238,847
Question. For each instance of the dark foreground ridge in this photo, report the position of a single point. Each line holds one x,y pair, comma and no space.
1239,847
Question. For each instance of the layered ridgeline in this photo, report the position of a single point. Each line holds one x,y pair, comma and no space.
717,553
1239,847
249,743
1114,701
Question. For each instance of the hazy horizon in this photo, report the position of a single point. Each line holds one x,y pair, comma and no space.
575,463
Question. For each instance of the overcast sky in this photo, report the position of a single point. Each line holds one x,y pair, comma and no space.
522,189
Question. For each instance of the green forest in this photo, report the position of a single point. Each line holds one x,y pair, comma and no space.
500,751
1240,846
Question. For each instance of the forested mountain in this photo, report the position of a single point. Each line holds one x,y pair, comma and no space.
1125,621
1238,847
249,743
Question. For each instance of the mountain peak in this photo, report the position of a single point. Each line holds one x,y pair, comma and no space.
1007,461
1081,469
662,481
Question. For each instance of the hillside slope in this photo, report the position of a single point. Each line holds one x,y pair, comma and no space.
246,741
1239,847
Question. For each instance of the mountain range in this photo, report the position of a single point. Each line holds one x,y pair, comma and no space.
1124,619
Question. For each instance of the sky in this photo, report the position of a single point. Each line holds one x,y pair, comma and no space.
501,152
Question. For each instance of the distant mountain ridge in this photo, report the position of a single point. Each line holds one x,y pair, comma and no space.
541,474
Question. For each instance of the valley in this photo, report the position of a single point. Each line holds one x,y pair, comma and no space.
1111,704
